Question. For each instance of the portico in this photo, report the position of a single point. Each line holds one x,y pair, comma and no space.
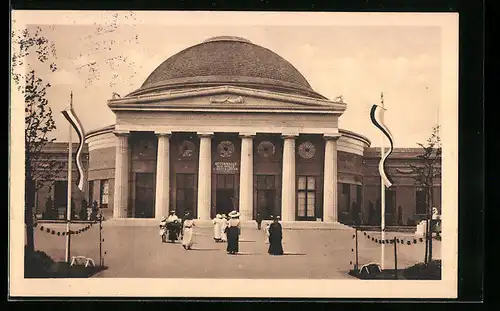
221,162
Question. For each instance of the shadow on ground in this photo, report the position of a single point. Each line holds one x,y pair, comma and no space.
420,271
39,265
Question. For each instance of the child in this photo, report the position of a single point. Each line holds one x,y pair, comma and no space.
223,227
163,229
266,233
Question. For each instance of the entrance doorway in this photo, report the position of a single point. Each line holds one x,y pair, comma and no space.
266,196
185,196
144,195
225,199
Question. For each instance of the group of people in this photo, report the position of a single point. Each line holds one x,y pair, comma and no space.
228,229
225,228
172,229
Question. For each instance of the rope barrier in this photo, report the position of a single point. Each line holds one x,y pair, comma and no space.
64,233
403,241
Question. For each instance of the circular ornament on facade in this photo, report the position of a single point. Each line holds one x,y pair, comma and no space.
266,149
225,149
186,149
307,150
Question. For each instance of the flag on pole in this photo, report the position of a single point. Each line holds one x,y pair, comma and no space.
377,117
70,115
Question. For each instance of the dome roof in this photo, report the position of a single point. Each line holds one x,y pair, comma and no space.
227,61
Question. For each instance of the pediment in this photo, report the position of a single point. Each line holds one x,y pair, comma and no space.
227,99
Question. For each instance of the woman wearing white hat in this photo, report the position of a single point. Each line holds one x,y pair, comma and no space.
233,232
217,222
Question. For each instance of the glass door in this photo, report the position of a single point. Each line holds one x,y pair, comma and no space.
306,198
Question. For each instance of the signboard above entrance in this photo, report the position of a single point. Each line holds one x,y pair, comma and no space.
225,167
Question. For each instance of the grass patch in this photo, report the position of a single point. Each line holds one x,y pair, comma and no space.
421,271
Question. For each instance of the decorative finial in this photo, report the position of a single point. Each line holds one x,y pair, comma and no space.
382,98
116,95
71,99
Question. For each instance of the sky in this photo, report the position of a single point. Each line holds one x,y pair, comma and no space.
357,60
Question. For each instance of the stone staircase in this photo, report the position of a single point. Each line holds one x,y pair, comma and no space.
287,225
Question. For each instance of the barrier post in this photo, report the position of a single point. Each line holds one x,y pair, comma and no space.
101,261
395,259
356,234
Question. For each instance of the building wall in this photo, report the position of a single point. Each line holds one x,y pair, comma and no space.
59,151
357,166
227,122
404,185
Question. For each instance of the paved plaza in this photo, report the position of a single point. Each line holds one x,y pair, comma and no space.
137,252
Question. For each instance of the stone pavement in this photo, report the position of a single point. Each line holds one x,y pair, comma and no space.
137,251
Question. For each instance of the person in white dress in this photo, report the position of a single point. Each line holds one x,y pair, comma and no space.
223,235
217,222
188,233
266,233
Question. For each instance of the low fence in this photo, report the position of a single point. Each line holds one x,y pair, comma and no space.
375,238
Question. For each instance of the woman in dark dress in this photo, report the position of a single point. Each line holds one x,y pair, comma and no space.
233,233
275,238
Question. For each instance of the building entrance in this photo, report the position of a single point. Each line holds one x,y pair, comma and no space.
266,196
144,195
225,198
185,197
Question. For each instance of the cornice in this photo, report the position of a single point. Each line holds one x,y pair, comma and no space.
158,101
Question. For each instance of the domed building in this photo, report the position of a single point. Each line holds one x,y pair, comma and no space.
229,125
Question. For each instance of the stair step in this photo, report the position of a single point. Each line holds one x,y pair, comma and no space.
292,225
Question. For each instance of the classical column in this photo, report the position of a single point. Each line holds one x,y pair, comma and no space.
122,166
205,176
162,175
288,183
330,200
246,176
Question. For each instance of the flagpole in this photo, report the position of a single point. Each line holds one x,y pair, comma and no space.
382,198
70,164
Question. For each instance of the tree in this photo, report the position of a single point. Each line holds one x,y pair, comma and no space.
30,48
424,173
39,166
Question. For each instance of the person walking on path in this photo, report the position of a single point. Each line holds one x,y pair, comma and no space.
233,233
163,229
188,233
217,222
223,235
275,238
258,219
266,233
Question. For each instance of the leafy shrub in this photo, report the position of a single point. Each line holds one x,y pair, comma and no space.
39,265
36,264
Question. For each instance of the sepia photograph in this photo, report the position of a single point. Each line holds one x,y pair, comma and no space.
233,154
